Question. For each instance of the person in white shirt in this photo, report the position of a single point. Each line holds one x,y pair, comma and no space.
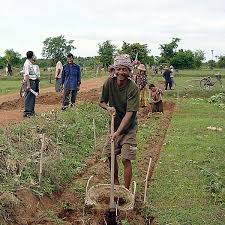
32,83
58,74
37,72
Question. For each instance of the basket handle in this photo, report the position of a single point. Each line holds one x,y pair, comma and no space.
88,183
134,188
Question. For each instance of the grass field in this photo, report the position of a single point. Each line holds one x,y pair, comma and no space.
189,184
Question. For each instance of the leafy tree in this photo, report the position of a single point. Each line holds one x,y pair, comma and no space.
221,62
183,59
2,62
169,50
151,60
57,47
211,64
106,52
199,56
12,57
137,50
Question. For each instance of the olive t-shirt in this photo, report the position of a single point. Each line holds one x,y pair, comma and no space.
123,99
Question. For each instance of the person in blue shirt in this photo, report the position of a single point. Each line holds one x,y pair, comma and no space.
70,81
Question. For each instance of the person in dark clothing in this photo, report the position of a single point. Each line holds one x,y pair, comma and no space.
9,69
167,77
71,81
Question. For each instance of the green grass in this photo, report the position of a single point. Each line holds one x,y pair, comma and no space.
70,141
191,166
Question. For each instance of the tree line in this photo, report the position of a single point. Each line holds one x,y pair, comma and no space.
59,47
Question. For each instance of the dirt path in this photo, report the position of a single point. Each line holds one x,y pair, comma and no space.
11,105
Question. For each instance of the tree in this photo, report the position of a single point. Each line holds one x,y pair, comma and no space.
57,47
106,52
2,62
211,64
221,62
137,50
199,56
12,57
169,50
183,59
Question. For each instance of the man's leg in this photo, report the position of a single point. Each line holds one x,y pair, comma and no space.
127,172
66,101
116,170
166,84
34,86
29,101
58,84
73,97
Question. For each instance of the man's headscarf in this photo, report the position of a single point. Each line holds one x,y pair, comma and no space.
123,60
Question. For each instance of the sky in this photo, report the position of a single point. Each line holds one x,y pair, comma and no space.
200,24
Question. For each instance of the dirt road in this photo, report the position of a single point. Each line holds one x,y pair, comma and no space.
11,105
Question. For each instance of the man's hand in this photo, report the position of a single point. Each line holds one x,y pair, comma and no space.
78,88
111,111
28,87
114,136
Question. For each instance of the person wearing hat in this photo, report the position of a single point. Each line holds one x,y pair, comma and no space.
167,77
120,97
141,80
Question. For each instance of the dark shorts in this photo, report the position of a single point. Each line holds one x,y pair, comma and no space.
157,107
126,145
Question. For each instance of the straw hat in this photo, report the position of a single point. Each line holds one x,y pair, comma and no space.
141,67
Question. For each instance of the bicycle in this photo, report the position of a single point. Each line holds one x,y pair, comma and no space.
206,83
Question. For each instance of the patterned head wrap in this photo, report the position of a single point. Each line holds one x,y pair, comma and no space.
123,60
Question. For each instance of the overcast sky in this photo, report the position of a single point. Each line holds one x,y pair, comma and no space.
200,24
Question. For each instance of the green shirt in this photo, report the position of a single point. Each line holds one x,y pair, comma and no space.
123,99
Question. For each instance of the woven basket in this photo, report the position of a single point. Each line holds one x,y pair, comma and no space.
98,196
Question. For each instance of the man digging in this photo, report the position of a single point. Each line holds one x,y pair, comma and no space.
120,97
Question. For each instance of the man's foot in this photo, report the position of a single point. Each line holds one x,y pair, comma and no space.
64,107
26,115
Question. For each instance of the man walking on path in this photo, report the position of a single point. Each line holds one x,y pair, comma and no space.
58,75
70,80
32,82
167,77
120,97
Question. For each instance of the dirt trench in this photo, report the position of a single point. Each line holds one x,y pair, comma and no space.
68,204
